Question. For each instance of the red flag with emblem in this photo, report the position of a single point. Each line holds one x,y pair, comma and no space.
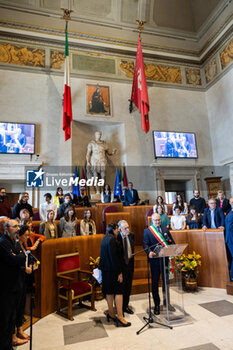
139,95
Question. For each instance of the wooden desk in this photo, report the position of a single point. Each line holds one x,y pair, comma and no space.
138,220
116,217
46,277
99,212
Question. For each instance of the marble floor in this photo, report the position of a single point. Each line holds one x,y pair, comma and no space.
209,327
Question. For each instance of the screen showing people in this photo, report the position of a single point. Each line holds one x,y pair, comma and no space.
174,144
17,138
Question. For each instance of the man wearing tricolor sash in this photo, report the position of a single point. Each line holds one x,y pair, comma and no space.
156,236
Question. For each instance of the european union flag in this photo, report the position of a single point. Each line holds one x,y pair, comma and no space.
76,187
117,186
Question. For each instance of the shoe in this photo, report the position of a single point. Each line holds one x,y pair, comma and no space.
157,310
121,324
111,318
128,311
19,342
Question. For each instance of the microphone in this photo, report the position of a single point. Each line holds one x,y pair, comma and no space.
32,257
167,239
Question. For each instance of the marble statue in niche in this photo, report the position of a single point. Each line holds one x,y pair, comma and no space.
96,158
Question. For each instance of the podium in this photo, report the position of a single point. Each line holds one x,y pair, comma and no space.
172,312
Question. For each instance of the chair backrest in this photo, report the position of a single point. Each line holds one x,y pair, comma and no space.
109,209
36,216
67,263
149,213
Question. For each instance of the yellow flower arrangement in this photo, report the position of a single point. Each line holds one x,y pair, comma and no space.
189,264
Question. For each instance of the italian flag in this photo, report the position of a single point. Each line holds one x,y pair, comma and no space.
67,104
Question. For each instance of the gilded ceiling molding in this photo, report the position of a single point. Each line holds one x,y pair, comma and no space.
23,56
154,72
226,56
211,70
193,76
57,59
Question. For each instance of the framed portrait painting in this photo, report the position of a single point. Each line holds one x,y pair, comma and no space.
98,100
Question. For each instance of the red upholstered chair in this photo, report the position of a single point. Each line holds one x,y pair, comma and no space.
149,213
70,286
108,209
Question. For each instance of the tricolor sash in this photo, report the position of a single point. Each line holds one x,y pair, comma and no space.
164,243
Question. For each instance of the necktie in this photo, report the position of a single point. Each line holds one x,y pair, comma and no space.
212,219
126,251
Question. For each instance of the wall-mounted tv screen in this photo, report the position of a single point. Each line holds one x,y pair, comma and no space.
17,138
169,144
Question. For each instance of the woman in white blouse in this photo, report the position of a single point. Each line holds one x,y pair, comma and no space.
178,221
180,202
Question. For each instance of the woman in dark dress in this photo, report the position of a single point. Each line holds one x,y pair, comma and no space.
112,278
193,221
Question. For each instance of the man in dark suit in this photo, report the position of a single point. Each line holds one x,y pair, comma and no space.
229,234
153,236
198,202
83,200
66,204
10,263
131,195
213,216
222,202
126,243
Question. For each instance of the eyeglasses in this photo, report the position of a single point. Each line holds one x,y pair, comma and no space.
14,226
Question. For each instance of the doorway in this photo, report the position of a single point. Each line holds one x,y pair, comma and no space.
172,187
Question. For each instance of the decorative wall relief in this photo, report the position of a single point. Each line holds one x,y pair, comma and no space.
24,56
193,76
211,70
154,72
57,59
226,56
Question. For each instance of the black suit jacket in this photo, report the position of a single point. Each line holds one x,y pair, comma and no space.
150,240
110,255
10,265
131,260
225,205
218,218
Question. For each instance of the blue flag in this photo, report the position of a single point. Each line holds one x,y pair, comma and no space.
76,187
117,187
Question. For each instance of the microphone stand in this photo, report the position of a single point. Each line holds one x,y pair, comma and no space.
149,319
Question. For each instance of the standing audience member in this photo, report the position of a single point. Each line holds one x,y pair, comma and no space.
178,221
22,204
65,205
126,242
5,208
131,195
160,201
112,275
193,220
10,264
73,196
229,234
213,216
68,223
154,235
164,218
107,196
34,239
180,203
47,205
198,202
49,228
58,199
87,225
19,335
222,202
83,200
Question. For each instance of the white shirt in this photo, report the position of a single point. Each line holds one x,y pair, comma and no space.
44,207
178,221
